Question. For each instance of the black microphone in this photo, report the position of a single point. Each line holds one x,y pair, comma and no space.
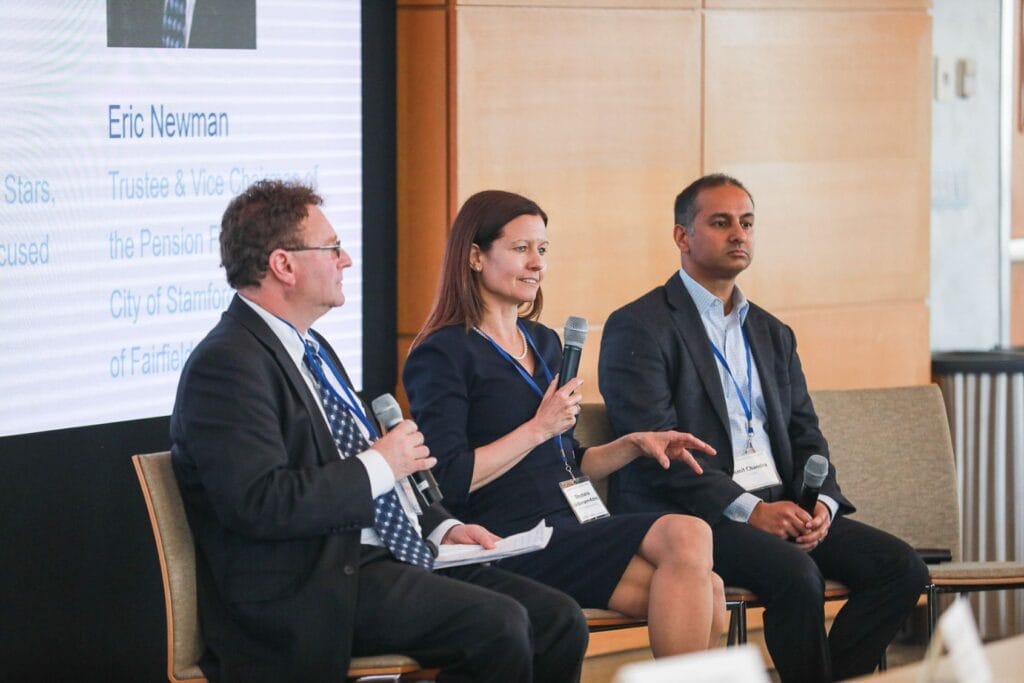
389,414
576,329
815,472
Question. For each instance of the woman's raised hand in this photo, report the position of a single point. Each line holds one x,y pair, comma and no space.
558,409
672,445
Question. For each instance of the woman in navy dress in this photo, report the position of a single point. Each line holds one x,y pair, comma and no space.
481,387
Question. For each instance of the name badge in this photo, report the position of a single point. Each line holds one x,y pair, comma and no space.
755,470
583,499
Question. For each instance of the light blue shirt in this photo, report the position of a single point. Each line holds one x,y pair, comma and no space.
726,333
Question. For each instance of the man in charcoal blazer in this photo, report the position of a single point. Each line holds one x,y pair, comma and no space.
696,356
294,572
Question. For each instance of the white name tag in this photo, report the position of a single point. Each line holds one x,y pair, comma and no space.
755,470
583,499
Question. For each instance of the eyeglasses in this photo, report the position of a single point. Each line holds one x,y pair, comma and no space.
336,248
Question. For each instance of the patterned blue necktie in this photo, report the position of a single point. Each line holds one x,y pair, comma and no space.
174,23
389,518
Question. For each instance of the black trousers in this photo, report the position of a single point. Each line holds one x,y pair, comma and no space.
478,623
884,574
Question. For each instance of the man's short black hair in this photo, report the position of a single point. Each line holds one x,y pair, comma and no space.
686,201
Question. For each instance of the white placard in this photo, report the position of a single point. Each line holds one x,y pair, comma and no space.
740,664
966,662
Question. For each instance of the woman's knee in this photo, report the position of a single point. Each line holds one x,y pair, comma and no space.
718,590
685,539
719,614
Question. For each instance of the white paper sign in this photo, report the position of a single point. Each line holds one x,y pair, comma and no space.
740,664
966,662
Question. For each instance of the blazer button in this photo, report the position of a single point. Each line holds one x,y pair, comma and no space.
348,570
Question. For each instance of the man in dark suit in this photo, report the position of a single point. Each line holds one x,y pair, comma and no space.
308,542
696,356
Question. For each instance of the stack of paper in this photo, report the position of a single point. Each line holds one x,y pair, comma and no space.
454,555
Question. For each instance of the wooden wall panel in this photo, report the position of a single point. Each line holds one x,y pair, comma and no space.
829,127
602,110
586,4
819,4
422,121
863,346
595,114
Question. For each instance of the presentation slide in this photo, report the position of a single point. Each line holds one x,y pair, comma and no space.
128,125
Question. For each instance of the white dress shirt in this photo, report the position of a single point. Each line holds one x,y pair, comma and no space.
382,478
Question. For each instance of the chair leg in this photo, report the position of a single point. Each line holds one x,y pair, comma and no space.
883,662
737,634
741,624
731,639
933,609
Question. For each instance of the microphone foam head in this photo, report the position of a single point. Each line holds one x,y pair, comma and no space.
815,471
576,329
387,410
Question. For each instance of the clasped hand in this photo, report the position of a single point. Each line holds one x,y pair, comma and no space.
787,520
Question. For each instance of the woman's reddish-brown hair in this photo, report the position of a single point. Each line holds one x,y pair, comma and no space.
481,220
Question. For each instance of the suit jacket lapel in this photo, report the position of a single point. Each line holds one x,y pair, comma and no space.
252,322
687,320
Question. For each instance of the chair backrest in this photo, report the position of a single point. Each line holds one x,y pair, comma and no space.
592,425
594,429
893,452
176,551
894,456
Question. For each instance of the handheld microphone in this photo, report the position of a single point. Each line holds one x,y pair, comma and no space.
389,414
815,472
576,329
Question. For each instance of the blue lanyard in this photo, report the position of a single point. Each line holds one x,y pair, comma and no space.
526,376
519,368
349,400
749,400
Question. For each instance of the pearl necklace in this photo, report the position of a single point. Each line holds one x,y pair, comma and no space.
526,347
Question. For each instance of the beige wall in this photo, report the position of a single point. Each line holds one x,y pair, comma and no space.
602,110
